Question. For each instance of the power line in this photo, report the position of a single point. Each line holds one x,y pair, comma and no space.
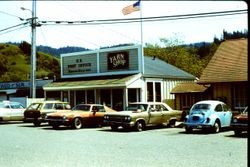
146,19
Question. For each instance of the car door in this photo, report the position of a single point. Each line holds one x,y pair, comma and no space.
16,112
220,113
5,112
227,115
155,115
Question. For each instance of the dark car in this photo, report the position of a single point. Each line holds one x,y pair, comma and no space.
239,123
37,111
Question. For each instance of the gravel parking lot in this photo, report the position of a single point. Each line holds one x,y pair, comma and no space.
23,145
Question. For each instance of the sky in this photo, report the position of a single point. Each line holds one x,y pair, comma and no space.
100,35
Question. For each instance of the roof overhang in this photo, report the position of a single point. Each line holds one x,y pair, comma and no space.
92,84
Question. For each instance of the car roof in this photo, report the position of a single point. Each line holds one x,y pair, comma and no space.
146,103
212,102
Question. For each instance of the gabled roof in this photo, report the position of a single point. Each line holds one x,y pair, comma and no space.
158,68
229,63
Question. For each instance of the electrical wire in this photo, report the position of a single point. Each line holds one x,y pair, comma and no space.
146,19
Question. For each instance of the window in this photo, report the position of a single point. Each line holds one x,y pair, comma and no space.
150,91
154,92
218,108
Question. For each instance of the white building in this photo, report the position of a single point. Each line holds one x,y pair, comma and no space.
115,77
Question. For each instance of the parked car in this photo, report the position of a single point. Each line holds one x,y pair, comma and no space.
80,115
239,123
11,111
208,114
37,111
138,115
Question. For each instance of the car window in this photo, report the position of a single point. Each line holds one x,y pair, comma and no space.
201,107
226,107
4,105
16,106
160,107
34,106
218,108
58,106
82,107
101,108
48,106
136,107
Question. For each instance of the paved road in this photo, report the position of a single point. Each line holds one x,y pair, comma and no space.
22,145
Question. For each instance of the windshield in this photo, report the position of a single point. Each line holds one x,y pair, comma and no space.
136,107
201,107
34,106
82,107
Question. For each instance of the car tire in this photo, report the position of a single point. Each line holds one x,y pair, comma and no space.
172,123
114,127
237,132
188,129
77,123
37,123
216,127
55,126
139,126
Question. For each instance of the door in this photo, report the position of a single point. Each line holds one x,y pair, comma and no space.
16,112
155,116
221,114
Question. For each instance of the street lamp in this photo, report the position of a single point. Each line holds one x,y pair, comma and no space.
33,49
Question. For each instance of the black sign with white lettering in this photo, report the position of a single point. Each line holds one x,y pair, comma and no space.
118,60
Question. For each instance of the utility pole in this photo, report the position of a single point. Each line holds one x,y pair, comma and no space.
33,51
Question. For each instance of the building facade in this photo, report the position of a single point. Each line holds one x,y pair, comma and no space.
115,77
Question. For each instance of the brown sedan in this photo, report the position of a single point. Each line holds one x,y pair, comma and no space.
80,115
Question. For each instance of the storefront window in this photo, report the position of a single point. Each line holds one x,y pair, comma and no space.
80,97
65,96
90,96
106,97
132,95
117,99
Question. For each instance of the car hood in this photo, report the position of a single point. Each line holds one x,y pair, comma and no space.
123,113
69,113
241,116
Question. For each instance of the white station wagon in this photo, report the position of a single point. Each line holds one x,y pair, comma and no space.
11,111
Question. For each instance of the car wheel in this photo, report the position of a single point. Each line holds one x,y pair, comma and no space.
114,127
77,123
237,132
139,126
216,127
172,123
188,129
55,126
37,123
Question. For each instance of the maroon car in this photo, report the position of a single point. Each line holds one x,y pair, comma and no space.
239,123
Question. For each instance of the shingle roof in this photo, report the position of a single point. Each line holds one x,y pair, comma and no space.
189,88
229,63
159,68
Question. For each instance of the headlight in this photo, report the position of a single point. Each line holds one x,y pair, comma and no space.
64,117
127,118
106,117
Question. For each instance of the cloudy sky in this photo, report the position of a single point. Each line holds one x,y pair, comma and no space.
93,36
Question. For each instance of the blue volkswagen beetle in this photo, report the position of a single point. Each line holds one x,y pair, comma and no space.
208,114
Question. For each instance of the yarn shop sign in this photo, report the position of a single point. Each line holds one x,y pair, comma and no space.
118,60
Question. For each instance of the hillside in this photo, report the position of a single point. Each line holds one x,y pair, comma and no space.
15,63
